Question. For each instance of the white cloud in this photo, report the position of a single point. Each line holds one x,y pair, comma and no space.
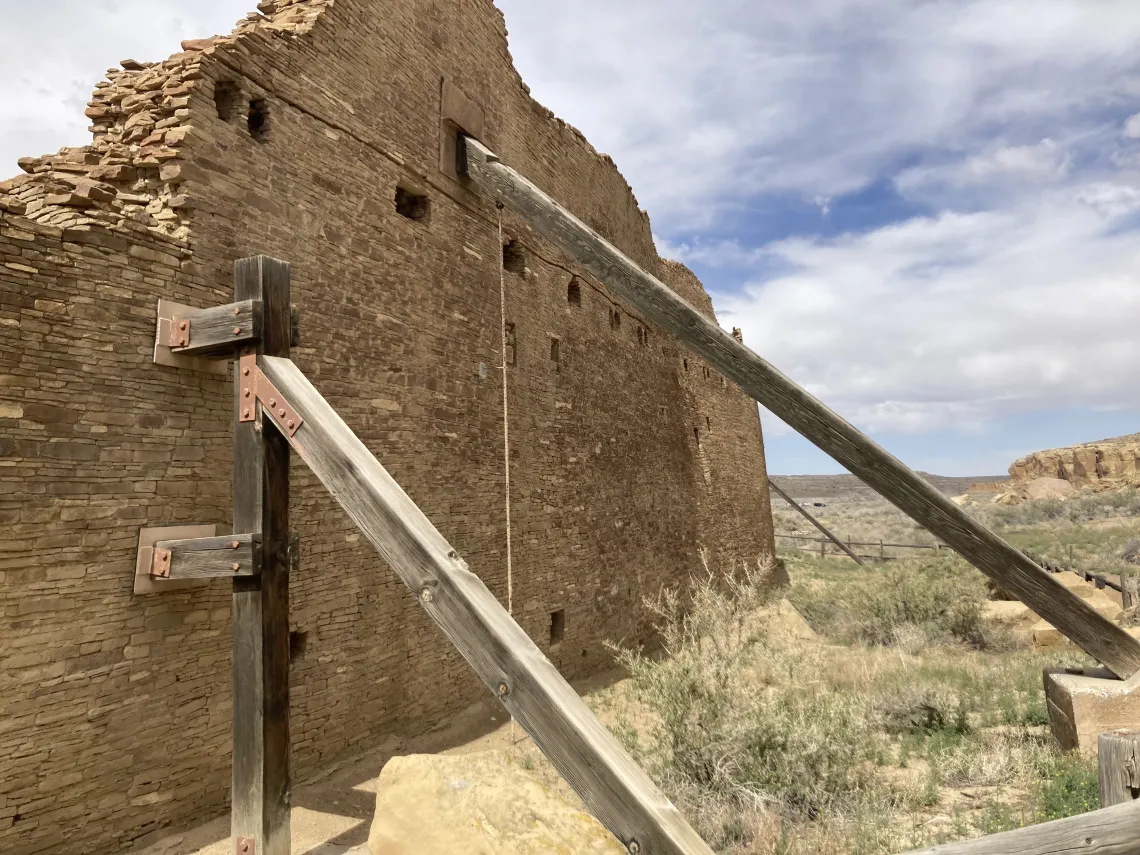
951,321
52,55
1132,127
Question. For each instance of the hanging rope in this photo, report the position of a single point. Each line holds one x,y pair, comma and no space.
506,425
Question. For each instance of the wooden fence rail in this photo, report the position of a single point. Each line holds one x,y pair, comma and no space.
587,755
886,474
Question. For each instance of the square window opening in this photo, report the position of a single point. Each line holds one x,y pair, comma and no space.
557,627
412,205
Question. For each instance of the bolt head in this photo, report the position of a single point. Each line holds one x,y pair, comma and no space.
273,402
634,847
245,412
291,424
236,310
182,325
234,544
237,330
281,413
236,566
426,595
503,690
245,371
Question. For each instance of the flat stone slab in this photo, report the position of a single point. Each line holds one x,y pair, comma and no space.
1084,704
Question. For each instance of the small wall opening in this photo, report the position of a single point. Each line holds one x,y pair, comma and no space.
298,641
412,205
574,292
514,260
697,436
555,355
615,319
708,424
705,371
643,336
258,120
512,349
226,96
686,364
557,627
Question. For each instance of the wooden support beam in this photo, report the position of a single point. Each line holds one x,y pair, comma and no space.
1110,831
814,521
611,784
207,557
1118,760
261,784
216,331
886,474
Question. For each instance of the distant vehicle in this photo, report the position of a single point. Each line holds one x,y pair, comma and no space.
812,505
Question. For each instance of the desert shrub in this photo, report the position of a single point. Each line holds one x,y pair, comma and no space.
1084,507
724,746
910,604
1071,786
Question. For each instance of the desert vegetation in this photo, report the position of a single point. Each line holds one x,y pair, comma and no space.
907,721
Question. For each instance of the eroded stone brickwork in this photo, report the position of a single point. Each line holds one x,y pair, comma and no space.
312,133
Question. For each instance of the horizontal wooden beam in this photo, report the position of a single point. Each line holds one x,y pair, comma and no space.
591,760
882,471
207,557
215,331
1110,831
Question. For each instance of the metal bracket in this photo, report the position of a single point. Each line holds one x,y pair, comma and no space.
245,846
257,388
160,563
177,331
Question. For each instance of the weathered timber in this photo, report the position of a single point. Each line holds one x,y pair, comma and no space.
815,522
611,784
1118,759
261,783
876,467
1110,831
218,330
211,557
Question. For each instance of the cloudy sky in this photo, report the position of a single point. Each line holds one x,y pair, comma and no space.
927,212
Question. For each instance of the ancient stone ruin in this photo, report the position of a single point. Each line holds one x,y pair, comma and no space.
318,132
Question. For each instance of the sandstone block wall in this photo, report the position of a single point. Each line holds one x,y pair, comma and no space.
304,134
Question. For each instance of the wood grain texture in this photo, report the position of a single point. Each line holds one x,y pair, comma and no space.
876,467
261,781
814,521
1110,831
1118,759
213,557
212,329
618,792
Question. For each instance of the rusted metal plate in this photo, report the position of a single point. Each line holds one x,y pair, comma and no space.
163,355
254,387
144,559
160,562
245,846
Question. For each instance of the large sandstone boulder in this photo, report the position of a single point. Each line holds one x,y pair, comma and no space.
477,804
1048,488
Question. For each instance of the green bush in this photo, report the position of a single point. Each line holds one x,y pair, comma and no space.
911,603
718,741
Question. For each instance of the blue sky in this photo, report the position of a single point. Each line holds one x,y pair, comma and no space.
924,211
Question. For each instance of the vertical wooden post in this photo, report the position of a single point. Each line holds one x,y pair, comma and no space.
882,551
260,785
1118,759
822,547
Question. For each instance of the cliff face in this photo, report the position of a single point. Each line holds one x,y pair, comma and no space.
1106,464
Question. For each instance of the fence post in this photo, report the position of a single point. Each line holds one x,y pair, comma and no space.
822,547
882,552
1118,761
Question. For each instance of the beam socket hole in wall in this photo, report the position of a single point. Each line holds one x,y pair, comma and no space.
705,370
557,627
615,319
413,205
298,641
643,336
708,424
697,436
555,355
514,260
226,95
574,292
258,120
512,348
686,364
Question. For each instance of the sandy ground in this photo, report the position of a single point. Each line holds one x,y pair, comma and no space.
332,811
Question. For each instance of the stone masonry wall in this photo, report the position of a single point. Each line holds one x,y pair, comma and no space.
292,137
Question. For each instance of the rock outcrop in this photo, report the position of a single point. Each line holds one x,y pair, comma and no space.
1106,464
479,804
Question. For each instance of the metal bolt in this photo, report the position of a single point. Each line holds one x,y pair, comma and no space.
245,412
273,402
237,330
247,393
237,310
634,847
291,423
245,371
503,690
281,413
182,325
236,566
234,544
426,595
245,846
